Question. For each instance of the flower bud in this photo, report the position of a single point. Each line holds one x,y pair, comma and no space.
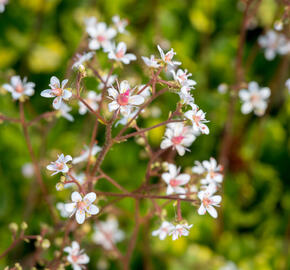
140,141
164,166
13,227
18,266
59,186
45,244
23,226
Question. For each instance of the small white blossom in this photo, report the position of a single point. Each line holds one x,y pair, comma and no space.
198,168
110,81
92,100
223,88
150,62
164,230
85,154
181,76
185,95
61,208
82,207
76,256
108,233
57,91
167,58
64,111
274,43
208,201
60,164
178,136
120,24
123,100
278,25
119,53
101,35
19,88
197,117
254,99
27,170
81,59
175,180
180,230
2,5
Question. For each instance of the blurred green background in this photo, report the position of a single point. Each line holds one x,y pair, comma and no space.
39,37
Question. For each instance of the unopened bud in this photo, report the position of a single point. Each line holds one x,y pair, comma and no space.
18,266
164,166
59,186
13,227
45,244
140,141
23,226
62,179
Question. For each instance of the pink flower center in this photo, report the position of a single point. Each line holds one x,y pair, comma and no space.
57,91
255,98
206,201
196,119
182,77
19,88
101,38
177,139
174,182
81,205
120,53
212,174
59,165
75,258
168,57
123,99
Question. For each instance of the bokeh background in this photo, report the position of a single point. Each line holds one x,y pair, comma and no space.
38,39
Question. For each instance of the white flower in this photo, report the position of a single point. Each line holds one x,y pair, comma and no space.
27,170
81,59
120,24
164,230
85,153
61,208
174,180
198,168
108,233
287,84
57,91
197,117
179,137
2,5
101,36
208,201
92,100
223,88
123,99
19,88
181,76
110,81
91,23
254,99
185,95
179,230
64,111
82,207
60,164
76,257
167,58
151,62
213,172
274,43
119,53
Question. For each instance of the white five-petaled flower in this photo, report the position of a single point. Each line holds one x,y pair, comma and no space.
151,62
167,58
254,99
109,80
76,256
119,53
60,164
213,172
179,230
123,99
164,230
185,95
208,201
107,233
92,100
19,88
274,43
178,136
120,24
175,180
81,59
64,112
2,5
82,207
57,91
85,153
181,76
100,35
197,117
